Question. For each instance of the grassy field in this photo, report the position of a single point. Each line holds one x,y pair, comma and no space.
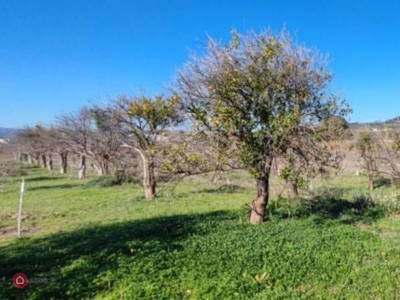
94,242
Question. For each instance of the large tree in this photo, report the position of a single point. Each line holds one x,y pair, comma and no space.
268,95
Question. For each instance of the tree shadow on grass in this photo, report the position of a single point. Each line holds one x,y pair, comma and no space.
223,189
83,263
362,209
41,178
51,187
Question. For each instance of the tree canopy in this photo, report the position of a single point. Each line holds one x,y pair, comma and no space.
267,94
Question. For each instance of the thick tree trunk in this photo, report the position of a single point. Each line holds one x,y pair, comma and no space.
50,162
370,176
259,205
64,162
29,158
24,158
104,166
370,182
82,167
295,189
44,160
101,166
149,181
37,159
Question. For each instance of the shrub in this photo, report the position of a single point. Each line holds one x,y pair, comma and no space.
391,201
101,181
382,181
11,169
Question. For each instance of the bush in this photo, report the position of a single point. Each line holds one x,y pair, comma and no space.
381,181
102,181
391,201
11,169
124,176
361,208
329,193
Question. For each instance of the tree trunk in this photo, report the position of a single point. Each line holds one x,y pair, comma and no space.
24,158
260,203
149,181
370,182
37,159
370,175
29,158
82,167
97,166
50,162
44,160
104,166
64,162
295,189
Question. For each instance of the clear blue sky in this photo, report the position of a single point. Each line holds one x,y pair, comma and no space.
55,56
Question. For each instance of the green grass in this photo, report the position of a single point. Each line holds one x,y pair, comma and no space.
194,243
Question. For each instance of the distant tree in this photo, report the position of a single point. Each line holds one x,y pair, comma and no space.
104,140
335,128
267,95
89,133
58,146
380,152
144,123
74,130
33,143
370,151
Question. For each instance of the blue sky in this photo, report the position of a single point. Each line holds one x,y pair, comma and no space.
56,56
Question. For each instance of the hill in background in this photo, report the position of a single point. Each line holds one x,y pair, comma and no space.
393,123
8,133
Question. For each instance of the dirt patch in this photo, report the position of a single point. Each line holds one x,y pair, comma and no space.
363,226
388,234
12,230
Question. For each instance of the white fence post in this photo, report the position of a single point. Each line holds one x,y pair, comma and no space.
21,200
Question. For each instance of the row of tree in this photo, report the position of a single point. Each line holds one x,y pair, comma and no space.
380,154
258,99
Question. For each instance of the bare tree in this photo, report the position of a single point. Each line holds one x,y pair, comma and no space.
92,133
59,147
74,129
33,143
370,151
380,153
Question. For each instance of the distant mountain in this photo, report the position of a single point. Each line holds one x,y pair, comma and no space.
393,123
8,133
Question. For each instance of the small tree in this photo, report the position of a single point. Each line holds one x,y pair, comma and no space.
34,143
74,131
58,146
267,95
144,123
380,151
369,150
